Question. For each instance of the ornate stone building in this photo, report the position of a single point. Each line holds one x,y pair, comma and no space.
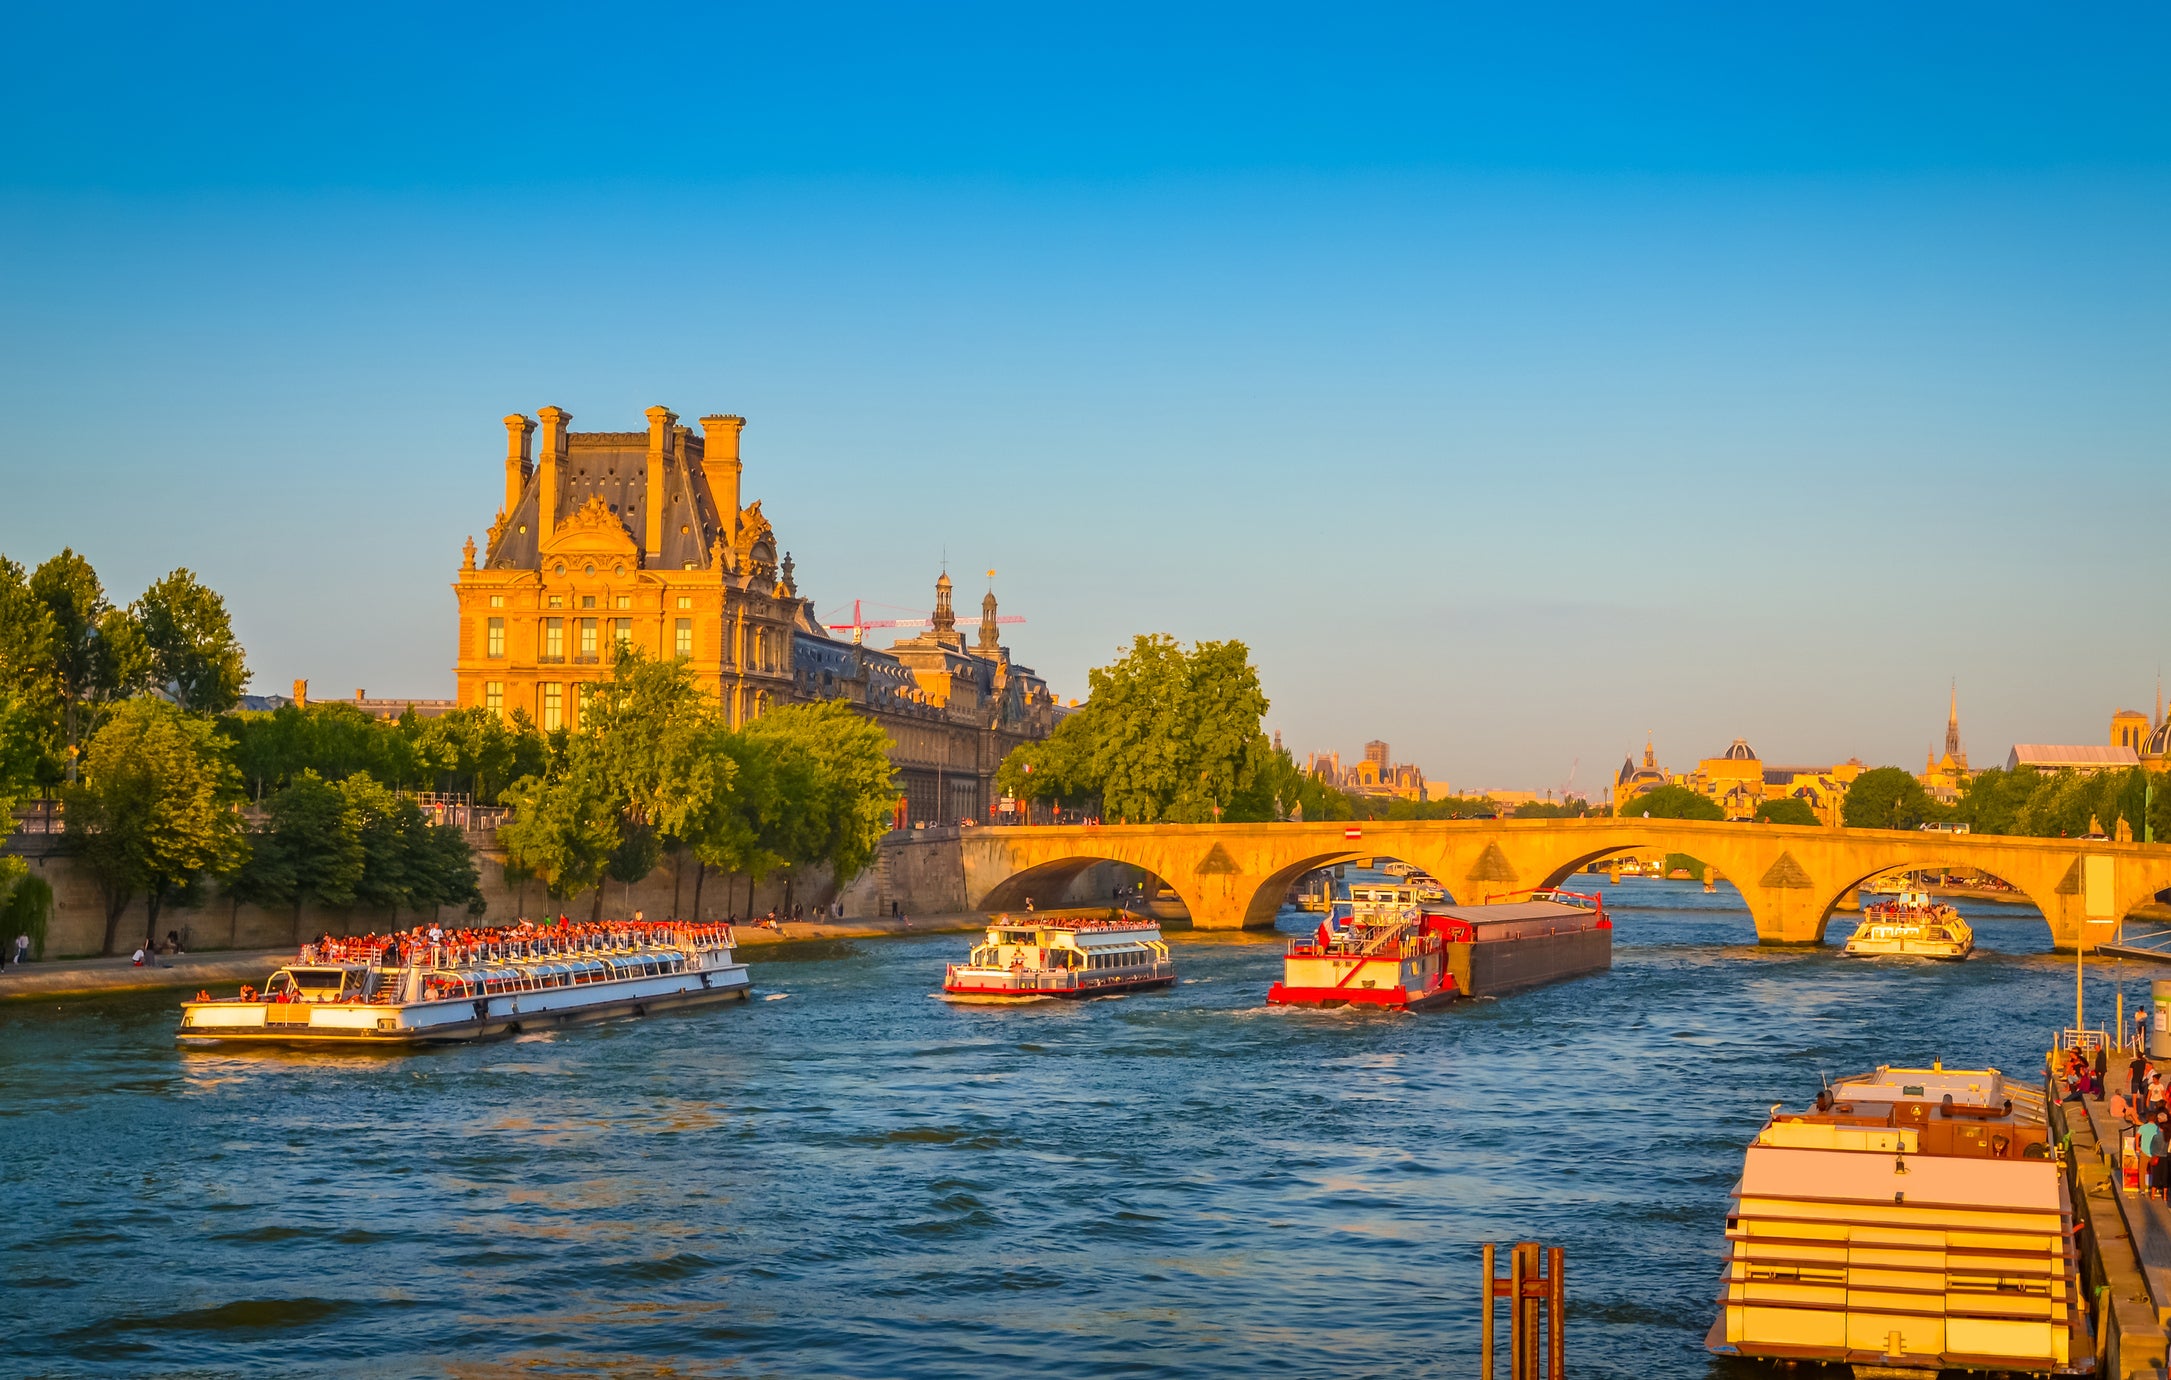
612,538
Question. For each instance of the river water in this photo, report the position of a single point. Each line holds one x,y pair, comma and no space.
852,1178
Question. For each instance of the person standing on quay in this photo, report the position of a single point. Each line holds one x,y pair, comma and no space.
22,949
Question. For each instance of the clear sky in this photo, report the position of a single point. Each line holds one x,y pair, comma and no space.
1513,383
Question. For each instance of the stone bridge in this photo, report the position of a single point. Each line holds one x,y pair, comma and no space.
1233,876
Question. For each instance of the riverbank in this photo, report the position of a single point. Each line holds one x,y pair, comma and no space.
78,977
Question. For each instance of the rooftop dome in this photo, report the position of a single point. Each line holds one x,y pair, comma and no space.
1739,751
2159,742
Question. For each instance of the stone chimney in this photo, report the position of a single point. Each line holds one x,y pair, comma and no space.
556,421
301,694
660,422
517,464
720,463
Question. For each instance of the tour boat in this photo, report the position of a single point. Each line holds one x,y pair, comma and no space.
1398,957
1061,957
1913,926
1912,1220
407,990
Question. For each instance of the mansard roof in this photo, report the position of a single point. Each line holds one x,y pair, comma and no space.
611,467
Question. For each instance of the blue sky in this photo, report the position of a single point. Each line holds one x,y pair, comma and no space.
1513,384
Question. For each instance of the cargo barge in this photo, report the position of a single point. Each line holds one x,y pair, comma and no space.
1910,1221
1413,957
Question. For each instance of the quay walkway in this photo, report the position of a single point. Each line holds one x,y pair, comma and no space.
2131,1248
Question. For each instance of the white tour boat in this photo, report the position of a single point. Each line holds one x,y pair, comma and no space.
406,990
1061,957
1912,926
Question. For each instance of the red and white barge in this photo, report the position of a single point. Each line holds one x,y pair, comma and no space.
1418,957
1045,957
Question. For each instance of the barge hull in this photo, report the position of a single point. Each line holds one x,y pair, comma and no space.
1489,968
1387,999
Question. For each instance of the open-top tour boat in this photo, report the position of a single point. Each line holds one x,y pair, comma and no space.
408,989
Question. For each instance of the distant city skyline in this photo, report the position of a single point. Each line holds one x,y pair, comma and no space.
1514,387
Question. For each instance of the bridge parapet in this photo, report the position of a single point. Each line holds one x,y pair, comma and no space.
1791,877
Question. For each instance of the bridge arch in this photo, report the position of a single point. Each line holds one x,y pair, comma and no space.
1046,883
1266,898
1831,904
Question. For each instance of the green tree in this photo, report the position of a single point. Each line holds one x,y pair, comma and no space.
1166,735
563,828
98,654
1888,798
389,828
26,909
836,765
308,851
190,644
155,808
27,673
1994,800
1280,790
1787,810
21,753
1672,802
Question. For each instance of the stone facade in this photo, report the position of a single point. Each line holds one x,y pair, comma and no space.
640,539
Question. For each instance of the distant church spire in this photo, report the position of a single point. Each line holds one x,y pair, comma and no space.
990,640
945,618
1952,724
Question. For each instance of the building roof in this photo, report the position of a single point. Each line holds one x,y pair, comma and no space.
2159,742
611,468
2070,755
1738,751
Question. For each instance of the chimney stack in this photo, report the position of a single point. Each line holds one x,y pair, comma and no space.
517,464
301,694
660,421
555,422
720,463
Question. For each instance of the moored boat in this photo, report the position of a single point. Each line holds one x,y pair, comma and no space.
1911,926
1910,1221
1057,956
408,989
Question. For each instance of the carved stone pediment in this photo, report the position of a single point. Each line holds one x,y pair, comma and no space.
591,528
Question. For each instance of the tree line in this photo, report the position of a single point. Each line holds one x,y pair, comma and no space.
171,795
2023,802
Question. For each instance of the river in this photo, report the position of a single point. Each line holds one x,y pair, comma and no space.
848,1177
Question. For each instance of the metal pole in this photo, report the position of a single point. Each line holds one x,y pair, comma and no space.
1516,1331
1485,1320
1556,1305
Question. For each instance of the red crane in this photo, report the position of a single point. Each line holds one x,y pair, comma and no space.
859,625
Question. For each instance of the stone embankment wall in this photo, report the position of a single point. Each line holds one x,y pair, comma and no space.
78,924
921,871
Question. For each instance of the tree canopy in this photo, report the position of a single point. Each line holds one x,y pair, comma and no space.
1888,798
1787,810
1166,736
154,809
1671,802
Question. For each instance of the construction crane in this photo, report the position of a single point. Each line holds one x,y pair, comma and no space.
859,625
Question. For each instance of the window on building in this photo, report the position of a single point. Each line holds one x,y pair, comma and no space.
685,601
622,631
555,601
493,696
553,639
588,637
683,638
588,601
553,707
623,601
497,601
496,643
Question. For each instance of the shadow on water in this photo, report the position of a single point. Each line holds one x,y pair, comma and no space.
860,1179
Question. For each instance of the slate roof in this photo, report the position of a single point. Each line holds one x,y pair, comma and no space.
613,466
2054,755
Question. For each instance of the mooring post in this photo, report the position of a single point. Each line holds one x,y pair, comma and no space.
1485,1319
1516,1339
1556,1309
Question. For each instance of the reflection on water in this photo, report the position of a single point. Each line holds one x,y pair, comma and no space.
861,1181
